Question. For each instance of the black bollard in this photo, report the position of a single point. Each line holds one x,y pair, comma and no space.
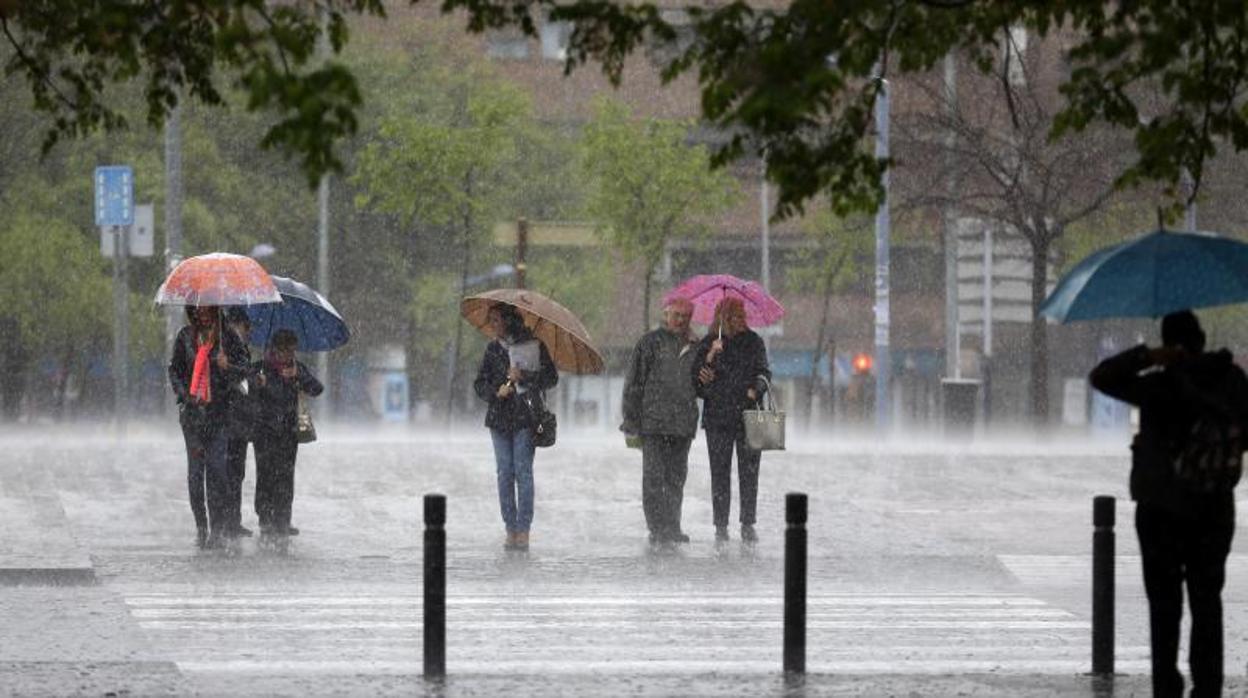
795,583
1103,585
435,586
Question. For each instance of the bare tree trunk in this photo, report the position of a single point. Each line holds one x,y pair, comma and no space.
1039,331
818,351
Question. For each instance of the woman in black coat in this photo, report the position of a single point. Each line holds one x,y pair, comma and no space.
515,372
281,379
203,412
732,374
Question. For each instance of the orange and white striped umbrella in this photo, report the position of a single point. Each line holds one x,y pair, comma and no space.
218,279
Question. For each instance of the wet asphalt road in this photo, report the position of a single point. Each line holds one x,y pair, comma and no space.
933,571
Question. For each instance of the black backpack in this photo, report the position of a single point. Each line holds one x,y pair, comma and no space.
1209,458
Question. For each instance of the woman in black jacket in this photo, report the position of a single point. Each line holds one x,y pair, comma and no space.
203,412
515,372
732,374
281,379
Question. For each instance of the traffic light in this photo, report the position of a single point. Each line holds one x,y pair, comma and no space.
862,363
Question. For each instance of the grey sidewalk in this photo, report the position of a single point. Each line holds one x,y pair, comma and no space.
37,545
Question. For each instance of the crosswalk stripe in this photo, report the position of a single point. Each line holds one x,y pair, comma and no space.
548,667
379,632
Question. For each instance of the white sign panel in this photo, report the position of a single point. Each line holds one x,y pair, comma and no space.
142,234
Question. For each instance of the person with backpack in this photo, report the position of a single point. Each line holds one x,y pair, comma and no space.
1186,460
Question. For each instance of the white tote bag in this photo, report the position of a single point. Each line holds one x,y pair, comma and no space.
764,428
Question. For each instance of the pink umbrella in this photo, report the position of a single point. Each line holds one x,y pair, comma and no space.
706,290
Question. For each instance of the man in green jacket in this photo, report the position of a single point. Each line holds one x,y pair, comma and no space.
660,407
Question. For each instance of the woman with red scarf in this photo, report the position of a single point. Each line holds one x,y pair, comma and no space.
206,364
282,378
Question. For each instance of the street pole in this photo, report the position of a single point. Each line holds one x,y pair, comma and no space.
953,349
986,373
322,281
522,246
1189,209
173,228
121,329
326,403
883,360
764,201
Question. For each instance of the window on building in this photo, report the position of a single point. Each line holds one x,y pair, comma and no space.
555,37
1016,53
507,45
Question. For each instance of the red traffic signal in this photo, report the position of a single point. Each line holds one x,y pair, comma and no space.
862,363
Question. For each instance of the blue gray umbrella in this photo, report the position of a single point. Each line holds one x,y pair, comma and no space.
307,313
1151,276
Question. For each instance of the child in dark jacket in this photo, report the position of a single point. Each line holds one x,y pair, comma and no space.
281,379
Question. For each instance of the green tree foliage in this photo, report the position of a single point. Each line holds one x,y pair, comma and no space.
835,256
448,165
796,79
73,55
648,185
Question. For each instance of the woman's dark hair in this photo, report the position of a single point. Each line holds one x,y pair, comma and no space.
513,321
284,339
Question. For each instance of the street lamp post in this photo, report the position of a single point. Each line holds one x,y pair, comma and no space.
883,359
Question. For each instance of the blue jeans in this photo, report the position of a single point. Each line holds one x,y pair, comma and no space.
513,455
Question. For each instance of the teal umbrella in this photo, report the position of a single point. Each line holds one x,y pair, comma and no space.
1151,276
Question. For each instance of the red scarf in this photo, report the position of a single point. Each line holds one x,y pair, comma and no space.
201,375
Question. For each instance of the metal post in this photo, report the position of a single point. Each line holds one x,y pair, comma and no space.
795,583
1189,209
986,372
953,359
764,204
1103,585
121,329
435,586
522,247
326,403
883,360
173,227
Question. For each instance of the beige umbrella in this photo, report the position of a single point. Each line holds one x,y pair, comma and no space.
562,332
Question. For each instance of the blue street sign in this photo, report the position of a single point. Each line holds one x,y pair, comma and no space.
114,196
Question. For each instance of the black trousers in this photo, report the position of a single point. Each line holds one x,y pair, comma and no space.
275,479
1191,548
206,479
719,445
236,472
664,467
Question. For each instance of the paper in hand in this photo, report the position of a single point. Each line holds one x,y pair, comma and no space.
526,356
